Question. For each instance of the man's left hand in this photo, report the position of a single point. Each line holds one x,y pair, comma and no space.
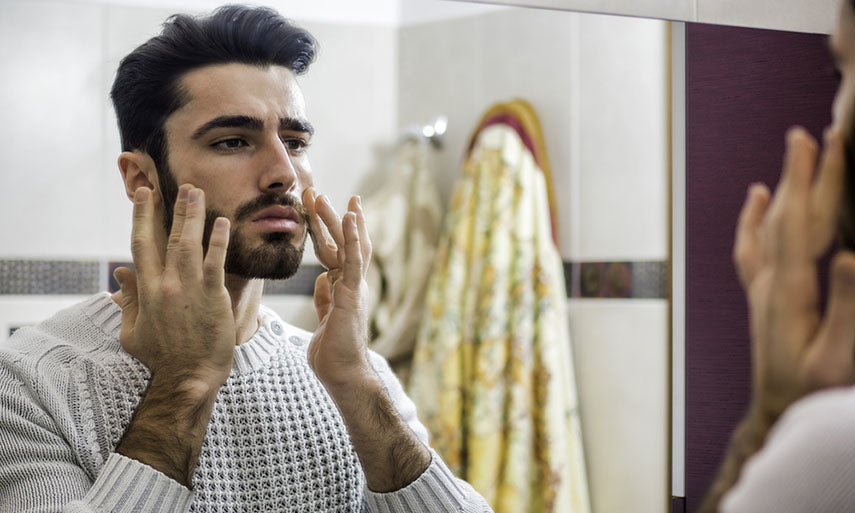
339,350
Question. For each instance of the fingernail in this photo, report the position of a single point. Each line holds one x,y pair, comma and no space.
359,202
194,195
326,199
117,277
182,193
141,195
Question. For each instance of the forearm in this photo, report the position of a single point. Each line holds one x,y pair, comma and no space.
390,453
168,428
748,438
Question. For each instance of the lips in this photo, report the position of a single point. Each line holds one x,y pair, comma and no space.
278,218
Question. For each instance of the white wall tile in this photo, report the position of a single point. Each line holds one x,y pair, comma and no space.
19,311
460,68
621,357
51,129
621,157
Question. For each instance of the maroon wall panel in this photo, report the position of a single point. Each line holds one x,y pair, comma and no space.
745,87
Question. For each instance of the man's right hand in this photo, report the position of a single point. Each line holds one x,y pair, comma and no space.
177,315
177,319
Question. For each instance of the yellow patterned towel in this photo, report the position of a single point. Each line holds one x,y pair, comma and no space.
492,373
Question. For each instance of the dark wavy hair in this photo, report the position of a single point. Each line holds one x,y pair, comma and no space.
147,88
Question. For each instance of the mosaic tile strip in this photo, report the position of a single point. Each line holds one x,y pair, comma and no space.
301,284
626,280
618,280
49,277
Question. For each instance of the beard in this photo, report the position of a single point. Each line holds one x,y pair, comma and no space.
278,256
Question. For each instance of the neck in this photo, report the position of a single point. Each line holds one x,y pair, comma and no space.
246,298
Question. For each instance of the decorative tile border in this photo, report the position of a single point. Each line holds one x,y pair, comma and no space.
49,277
627,280
618,280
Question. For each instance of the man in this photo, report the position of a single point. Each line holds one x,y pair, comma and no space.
181,392
791,454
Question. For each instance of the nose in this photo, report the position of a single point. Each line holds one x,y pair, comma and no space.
279,173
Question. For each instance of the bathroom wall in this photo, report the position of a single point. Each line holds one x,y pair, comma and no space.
598,84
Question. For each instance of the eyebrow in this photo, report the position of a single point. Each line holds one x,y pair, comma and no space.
251,123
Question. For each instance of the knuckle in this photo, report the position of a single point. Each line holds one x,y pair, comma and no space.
170,289
186,246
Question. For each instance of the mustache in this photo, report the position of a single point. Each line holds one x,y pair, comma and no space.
269,199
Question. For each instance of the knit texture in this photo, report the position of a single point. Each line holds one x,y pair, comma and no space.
808,462
275,442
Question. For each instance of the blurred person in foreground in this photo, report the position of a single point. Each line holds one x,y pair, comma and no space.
795,449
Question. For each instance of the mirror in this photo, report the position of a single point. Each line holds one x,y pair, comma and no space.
599,84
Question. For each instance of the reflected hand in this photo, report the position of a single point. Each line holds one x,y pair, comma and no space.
339,349
778,243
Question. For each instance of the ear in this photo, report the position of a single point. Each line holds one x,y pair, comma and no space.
138,170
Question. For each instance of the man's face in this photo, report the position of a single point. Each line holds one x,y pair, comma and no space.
842,45
242,138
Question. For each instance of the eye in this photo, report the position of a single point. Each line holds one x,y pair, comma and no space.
295,144
230,144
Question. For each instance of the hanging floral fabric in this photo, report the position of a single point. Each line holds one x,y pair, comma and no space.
403,218
492,372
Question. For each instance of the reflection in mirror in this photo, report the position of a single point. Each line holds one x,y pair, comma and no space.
598,85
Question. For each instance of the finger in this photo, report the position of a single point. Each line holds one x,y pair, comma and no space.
831,357
827,193
322,296
143,247
799,158
352,268
325,247
215,259
790,207
178,214
364,238
130,300
747,250
190,248
331,219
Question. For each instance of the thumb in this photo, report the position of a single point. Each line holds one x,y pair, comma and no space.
130,298
831,359
323,296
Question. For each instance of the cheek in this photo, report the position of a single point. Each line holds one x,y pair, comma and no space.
844,105
304,175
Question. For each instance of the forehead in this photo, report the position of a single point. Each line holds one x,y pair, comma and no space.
268,93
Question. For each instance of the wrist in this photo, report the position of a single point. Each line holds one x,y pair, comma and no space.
200,382
352,389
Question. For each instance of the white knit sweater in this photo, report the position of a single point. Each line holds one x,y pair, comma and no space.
275,442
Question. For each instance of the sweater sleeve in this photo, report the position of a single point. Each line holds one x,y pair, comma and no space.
437,489
808,462
40,471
